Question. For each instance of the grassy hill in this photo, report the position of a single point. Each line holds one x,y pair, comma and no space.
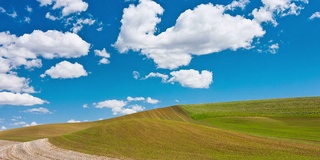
53,130
293,119
266,129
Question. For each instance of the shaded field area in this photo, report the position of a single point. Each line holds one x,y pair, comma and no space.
266,129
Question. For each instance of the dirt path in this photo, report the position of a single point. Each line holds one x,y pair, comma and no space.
41,150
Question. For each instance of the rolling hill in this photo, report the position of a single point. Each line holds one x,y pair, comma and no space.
264,129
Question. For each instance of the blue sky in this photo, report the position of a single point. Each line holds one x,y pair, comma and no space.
83,60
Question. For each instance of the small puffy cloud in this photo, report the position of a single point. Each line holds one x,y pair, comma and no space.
68,6
115,105
13,83
129,99
274,48
272,8
3,128
79,24
18,99
39,110
85,106
204,30
237,4
264,15
159,75
31,124
51,17
136,74
132,109
192,78
73,121
100,29
152,101
27,19
315,15
119,106
187,78
104,54
64,70
29,9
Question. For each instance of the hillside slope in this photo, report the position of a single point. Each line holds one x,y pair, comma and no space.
53,130
164,139
296,119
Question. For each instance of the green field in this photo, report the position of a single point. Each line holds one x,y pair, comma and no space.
294,119
265,129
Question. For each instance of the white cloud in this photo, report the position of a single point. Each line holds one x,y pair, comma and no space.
100,29
274,48
18,123
79,24
152,101
65,69
132,109
39,110
119,106
13,83
3,128
237,4
315,15
85,106
264,15
160,75
129,99
68,6
187,78
51,17
136,74
13,14
16,118
31,124
204,30
73,121
18,99
272,8
2,10
29,9
104,54
192,78
115,105
27,19
25,50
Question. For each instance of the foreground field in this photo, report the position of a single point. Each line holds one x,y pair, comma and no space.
268,129
40,150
